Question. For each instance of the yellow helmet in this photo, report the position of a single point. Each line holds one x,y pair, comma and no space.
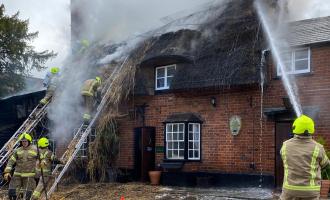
26,136
98,79
302,124
43,142
54,70
84,43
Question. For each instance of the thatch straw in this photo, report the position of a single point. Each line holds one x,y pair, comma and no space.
104,149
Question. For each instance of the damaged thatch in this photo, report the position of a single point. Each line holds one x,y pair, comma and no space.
117,88
224,51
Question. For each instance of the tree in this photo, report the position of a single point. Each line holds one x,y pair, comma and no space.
17,56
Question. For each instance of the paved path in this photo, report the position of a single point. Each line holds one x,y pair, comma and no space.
214,194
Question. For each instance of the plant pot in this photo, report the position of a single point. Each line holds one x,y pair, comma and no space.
155,177
325,185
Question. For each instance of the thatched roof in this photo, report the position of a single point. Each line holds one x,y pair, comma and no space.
224,51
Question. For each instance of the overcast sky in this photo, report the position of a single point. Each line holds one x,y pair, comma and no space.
52,19
121,18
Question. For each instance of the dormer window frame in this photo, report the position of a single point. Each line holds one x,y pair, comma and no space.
165,77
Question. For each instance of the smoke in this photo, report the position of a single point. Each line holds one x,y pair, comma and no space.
66,110
104,23
275,30
118,20
305,9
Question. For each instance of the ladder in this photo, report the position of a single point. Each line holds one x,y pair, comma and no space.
38,113
80,137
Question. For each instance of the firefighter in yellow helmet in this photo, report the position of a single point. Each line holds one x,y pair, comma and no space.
84,45
50,82
24,158
303,158
44,162
90,93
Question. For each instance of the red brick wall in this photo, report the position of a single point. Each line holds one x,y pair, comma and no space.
313,89
222,152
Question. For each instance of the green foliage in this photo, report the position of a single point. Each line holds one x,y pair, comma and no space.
325,173
17,56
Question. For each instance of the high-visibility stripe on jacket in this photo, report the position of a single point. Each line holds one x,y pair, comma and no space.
25,159
89,87
303,159
46,156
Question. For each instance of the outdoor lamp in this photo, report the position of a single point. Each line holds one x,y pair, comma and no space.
213,101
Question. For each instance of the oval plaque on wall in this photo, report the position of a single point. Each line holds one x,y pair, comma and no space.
235,124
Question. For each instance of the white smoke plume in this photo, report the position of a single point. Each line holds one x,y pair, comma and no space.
95,21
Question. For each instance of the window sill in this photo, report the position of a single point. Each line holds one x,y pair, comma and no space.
277,77
172,165
178,161
165,91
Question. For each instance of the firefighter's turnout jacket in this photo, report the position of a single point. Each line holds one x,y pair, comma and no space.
24,174
303,158
46,158
90,94
25,160
90,88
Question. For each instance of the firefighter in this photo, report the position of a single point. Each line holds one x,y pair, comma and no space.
44,162
84,44
50,82
90,93
25,158
303,158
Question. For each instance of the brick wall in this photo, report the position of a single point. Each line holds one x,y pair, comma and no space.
313,89
222,152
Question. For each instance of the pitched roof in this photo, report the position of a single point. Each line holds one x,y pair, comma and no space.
224,51
310,31
32,85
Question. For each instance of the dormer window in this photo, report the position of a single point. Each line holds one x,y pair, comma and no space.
164,76
296,61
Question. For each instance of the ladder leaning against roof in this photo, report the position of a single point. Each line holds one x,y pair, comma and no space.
38,113
79,137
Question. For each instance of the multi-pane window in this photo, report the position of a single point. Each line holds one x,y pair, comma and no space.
194,141
296,61
183,141
175,141
164,76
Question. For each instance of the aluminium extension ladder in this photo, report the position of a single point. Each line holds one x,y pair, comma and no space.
38,113
79,138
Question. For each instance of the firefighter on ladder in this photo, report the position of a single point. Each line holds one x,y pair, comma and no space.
46,157
90,93
25,158
50,83
303,158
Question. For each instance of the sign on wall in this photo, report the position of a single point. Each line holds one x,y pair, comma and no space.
235,124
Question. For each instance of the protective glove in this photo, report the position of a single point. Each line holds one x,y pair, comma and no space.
43,164
62,161
7,176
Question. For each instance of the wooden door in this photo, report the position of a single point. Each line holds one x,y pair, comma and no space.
282,133
144,159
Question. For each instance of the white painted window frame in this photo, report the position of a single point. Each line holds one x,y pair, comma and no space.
165,76
293,62
178,140
194,140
